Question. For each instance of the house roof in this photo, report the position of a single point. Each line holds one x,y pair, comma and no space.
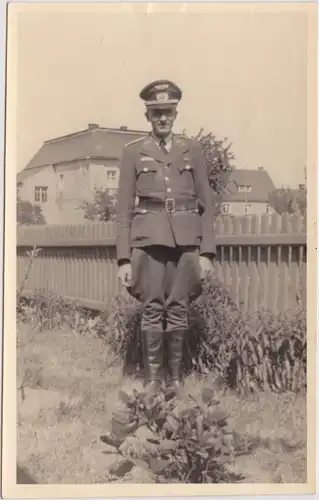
94,142
259,180
107,143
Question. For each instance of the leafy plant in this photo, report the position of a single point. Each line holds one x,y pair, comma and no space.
248,353
102,207
190,444
48,311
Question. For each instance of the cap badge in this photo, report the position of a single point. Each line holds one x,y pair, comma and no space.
162,96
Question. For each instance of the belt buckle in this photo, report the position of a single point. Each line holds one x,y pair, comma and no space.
170,205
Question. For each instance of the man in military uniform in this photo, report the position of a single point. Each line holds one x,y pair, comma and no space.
165,235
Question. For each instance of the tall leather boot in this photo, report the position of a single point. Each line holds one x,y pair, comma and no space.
153,360
175,343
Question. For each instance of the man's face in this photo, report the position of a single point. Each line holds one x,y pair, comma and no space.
162,120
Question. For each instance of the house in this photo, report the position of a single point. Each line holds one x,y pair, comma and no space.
248,192
65,170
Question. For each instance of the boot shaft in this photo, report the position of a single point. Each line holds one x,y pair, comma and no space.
153,353
175,347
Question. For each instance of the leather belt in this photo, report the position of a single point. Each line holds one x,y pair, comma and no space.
169,205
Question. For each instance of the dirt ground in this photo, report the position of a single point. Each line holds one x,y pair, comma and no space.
70,385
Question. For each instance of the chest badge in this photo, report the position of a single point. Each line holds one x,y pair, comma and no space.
147,158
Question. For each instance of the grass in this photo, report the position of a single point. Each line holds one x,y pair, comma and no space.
70,384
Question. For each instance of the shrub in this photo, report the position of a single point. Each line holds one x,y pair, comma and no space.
190,444
48,311
102,206
248,352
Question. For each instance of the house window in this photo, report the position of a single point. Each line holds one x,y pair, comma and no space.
248,209
225,208
111,175
244,188
40,194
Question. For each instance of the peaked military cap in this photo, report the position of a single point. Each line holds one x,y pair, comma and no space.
161,92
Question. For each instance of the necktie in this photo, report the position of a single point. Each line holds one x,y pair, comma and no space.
163,146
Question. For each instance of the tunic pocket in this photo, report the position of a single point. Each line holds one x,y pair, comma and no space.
187,175
146,173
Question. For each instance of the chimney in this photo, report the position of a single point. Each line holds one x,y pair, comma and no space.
93,125
123,127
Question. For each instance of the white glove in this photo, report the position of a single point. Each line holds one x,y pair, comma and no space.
125,274
207,268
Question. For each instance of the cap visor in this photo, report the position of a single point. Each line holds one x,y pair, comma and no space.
161,104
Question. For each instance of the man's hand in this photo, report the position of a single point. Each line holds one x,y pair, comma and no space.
125,274
207,267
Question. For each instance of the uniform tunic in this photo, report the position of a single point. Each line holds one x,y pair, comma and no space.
163,247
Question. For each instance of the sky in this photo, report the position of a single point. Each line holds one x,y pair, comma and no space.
242,74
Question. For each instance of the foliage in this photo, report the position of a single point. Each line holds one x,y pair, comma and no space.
285,200
219,161
193,444
28,213
248,352
102,207
219,158
47,311
184,439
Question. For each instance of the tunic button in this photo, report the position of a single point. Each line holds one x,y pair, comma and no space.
167,178
168,190
145,169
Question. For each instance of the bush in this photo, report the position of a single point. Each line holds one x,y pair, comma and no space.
48,311
190,444
248,352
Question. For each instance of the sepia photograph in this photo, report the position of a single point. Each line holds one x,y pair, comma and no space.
160,319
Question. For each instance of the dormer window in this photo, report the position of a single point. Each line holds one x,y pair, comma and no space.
244,188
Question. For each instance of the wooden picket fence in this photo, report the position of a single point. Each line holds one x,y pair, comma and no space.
261,260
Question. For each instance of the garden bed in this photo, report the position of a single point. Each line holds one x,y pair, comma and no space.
71,384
